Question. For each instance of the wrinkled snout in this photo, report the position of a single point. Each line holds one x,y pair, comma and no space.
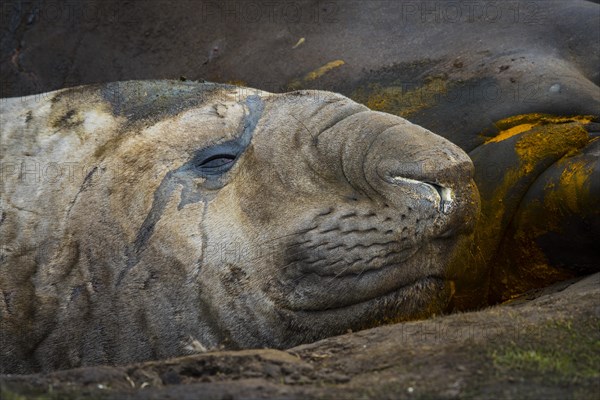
409,165
415,171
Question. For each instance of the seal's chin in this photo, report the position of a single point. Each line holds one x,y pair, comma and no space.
417,272
419,290
420,299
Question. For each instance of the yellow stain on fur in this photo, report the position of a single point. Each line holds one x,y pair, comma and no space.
510,132
298,84
400,100
572,191
517,124
542,141
550,141
317,73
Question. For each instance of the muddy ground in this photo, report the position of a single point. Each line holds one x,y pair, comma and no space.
545,345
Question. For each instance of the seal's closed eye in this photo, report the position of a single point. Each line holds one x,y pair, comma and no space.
217,160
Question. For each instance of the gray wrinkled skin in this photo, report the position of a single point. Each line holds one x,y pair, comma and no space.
118,246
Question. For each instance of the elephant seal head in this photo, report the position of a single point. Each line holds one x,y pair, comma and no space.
250,219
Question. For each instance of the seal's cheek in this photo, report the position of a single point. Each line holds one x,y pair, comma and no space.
178,237
238,264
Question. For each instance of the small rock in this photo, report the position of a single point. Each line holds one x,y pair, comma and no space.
170,378
288,369
554,88
339,378
272,370
291,379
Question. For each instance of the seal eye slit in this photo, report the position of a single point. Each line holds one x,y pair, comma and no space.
217,161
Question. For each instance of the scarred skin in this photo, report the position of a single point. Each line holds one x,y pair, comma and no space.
150,219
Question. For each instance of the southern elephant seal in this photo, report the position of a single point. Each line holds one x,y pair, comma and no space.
148,219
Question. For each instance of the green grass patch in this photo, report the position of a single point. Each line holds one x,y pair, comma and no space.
563,351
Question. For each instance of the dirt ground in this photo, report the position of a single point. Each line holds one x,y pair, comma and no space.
545,345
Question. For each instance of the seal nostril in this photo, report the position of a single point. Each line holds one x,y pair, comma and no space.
438,193
445,195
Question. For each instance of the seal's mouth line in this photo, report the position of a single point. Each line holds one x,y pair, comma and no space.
433,279
438,194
